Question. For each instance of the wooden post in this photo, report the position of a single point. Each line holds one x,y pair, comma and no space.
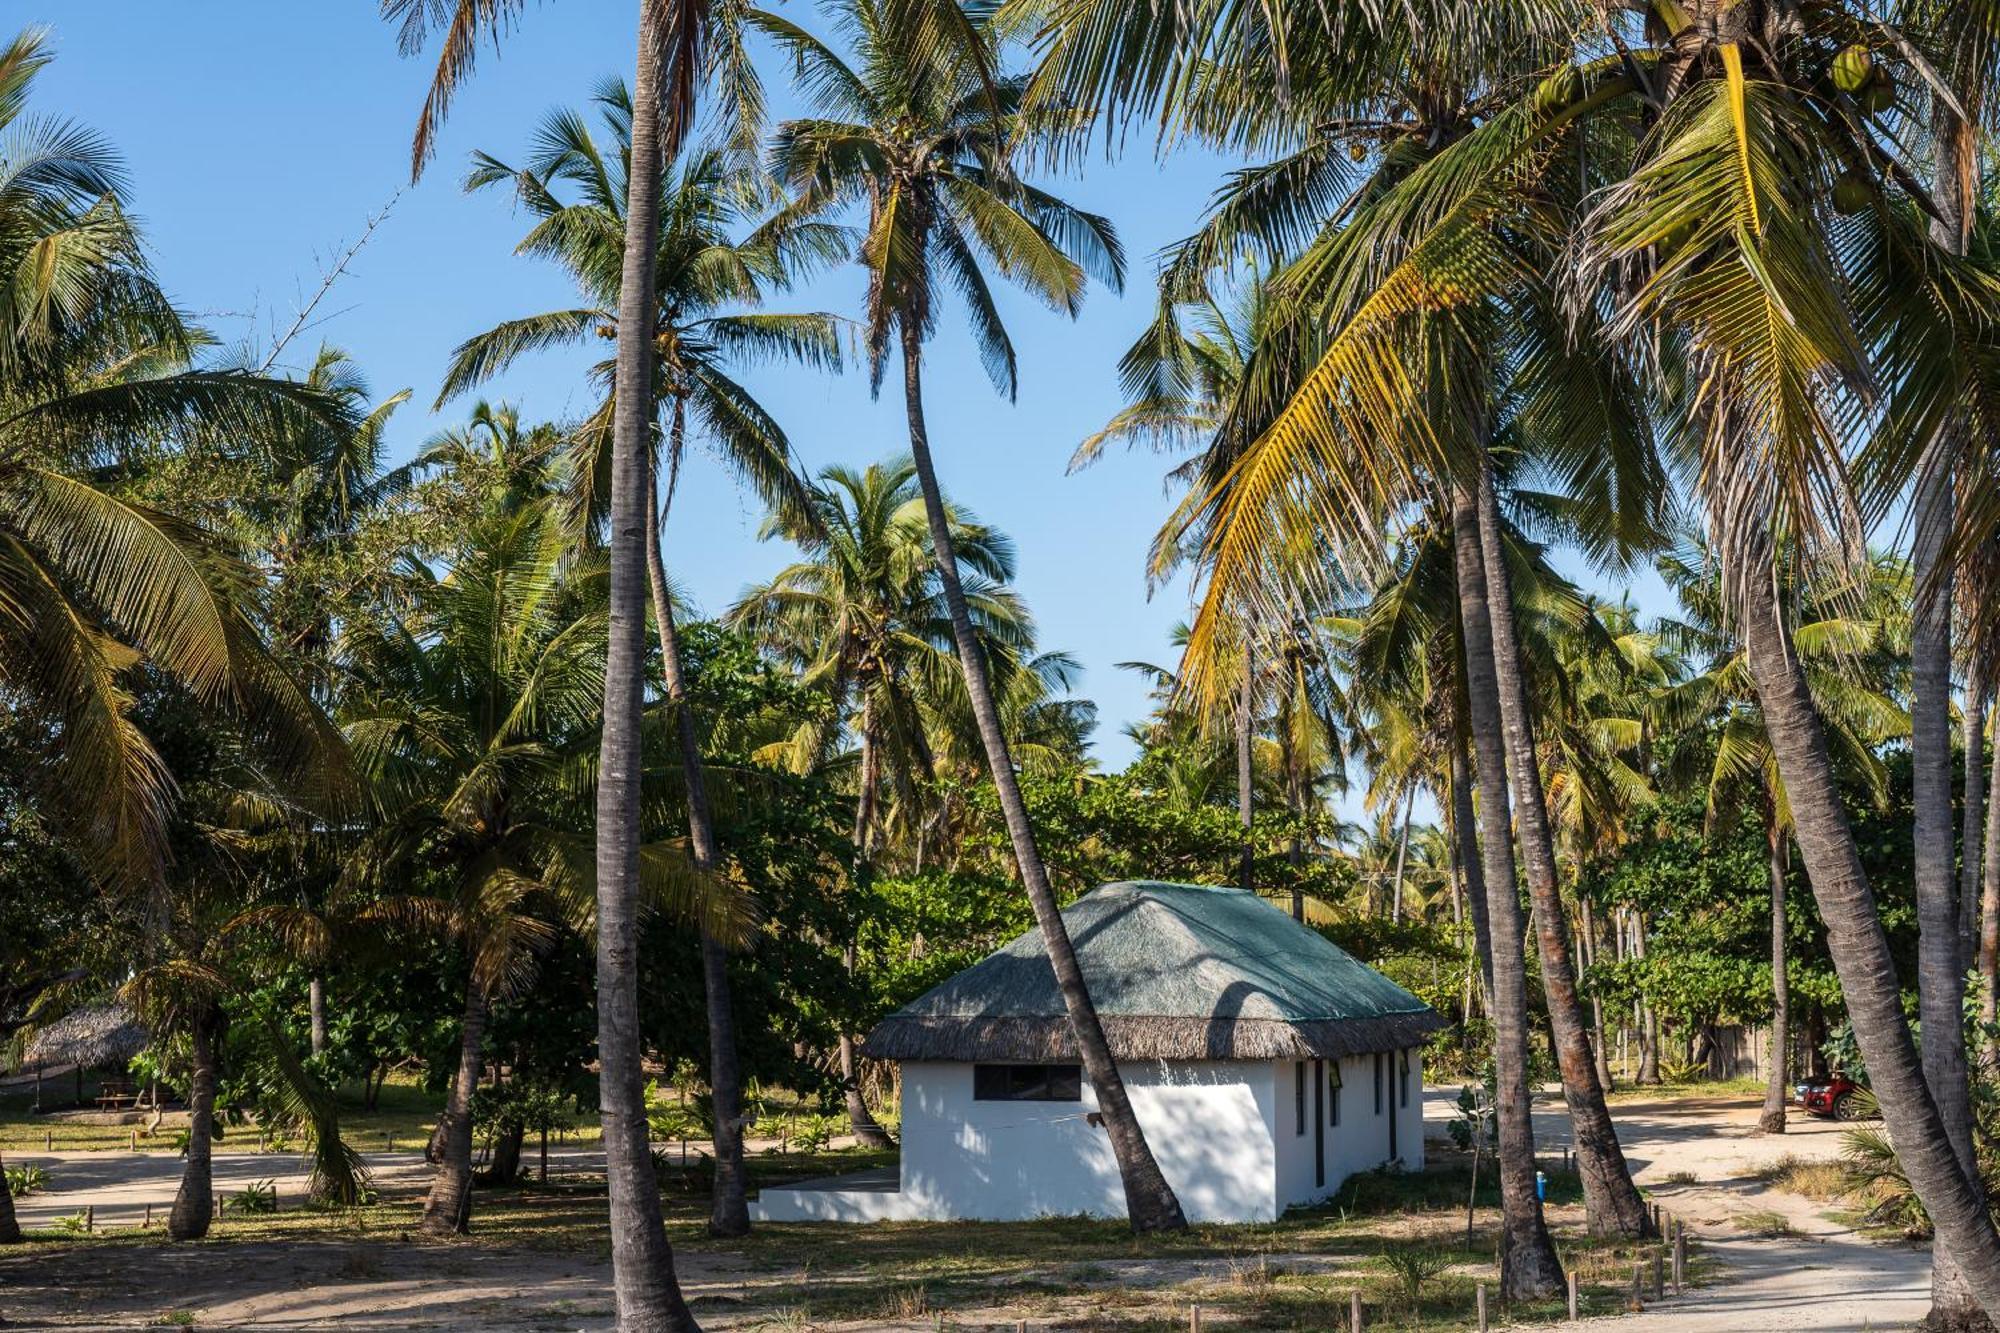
260,1140
1354,1314
48,1140
135,1140
148,1223
1639,1283
90,1217
1680,1259
1659,1273
1572,1295
1194,1319
1481,1295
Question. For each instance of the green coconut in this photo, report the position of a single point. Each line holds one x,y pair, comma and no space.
1852,193
1880,94
1852,68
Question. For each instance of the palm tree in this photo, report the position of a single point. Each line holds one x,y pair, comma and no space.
700,270
1847,637
474,716
863,617
921,134
672,53
1747,287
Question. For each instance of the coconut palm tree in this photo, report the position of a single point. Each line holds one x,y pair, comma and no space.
920,135
673,53
474,715
705,285
1715,251
863,617
1848,637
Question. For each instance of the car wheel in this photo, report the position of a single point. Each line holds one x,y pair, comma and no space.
1847,1106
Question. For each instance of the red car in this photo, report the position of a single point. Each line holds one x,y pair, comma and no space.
1836,1098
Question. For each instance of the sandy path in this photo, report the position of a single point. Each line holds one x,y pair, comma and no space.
1824,1277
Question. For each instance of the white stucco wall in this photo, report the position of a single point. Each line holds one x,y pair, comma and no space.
1224,1134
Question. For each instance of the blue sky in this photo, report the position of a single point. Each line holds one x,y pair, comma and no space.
260,136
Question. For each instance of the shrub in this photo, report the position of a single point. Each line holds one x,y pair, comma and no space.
26,1180
258,1197
1413,1266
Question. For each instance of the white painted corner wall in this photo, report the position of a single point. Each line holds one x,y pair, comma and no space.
1224,1133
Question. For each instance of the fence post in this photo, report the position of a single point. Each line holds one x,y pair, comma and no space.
1482,1307
1572,1295
135,1140
1659,1273
148,1223
1194,1319
1354,1313
48,1140
90,1217
1639,1284
1680,1259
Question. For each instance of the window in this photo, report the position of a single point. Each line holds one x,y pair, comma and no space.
1299,1093
1333,1092
1378,1083
1403,1080
1027,1083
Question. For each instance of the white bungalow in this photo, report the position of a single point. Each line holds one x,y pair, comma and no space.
1265,1066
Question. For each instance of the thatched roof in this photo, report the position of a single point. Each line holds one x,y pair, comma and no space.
97,1036
1178,972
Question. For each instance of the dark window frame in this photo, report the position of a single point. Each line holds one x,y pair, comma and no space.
995,1082
1299,1096
1333,1093
1378,1083
1403,1080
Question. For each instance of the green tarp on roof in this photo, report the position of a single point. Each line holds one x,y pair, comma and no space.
1178,972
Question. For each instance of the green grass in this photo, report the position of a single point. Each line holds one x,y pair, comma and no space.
1628,1091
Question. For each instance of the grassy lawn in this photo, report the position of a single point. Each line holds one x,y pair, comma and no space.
1722,1087
1297,1273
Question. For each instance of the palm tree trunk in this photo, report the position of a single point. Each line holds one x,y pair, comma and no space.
729,1206
1972,831
1244,771
1587,924
448,1207
316,1006
647,1296
1529,1268
1778,1093
1855,938
194,1202
860,1120
10,1226
1940,940
1149,1201
1465,837
1989,917
1611,1200
1402,858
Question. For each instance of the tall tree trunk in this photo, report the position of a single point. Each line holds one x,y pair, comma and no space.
860,1120
1149,1201
647,1295
1587,928
1529,1268
1465,838
729,1206
448,1206
1972,829
1942,924
316,1007
1611,1200
1989,917
1245,720
1855,937
1779,1091
194,1202
1940,941
1648,1018
10,1226
1402,859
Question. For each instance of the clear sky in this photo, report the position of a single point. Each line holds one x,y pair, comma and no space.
260,136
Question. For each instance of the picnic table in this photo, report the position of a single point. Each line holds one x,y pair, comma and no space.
116,1095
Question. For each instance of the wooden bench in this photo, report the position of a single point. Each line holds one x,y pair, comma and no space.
116,1095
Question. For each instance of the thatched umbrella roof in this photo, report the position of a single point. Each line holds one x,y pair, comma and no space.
1178,972
97,1036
